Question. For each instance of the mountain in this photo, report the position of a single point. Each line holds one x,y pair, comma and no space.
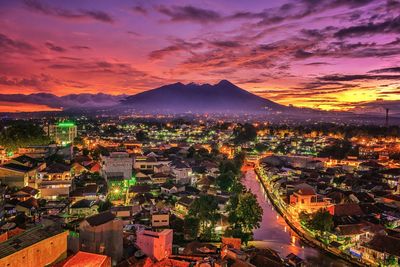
223,97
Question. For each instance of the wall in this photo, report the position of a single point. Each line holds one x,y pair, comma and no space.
42,253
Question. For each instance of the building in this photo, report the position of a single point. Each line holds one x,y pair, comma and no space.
102,234
55,181
88,260
84,208
21,171
182,206
156,245
38,152
160,220
16,175
40,246
117,164
305,199
62,133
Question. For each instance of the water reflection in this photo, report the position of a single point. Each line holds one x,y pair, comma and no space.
276,234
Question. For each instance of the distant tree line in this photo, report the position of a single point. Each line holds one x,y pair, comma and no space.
16,134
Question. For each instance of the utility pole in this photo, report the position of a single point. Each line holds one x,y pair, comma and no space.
387,118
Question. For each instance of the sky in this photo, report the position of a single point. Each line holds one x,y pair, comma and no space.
326,54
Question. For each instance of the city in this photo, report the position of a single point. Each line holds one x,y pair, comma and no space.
199,133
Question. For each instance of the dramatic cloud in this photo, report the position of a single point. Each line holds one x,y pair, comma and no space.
386,70
178,45
325,53
391,25
190,13
9,45
357,77
54,47
42,8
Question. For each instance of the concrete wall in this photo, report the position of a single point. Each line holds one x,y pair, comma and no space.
40,254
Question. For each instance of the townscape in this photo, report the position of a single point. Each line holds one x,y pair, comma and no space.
212,133
139,192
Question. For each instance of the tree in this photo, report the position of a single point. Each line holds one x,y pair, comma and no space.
20,134
141,136
226,180
191,227
104,205
244,133
205,208
85,152
321,221
248,212
245,215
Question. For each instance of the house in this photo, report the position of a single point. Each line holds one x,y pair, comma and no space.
28,207
89,191
149,162
381,248
55,181
353,232
169,188
156,245
182,206
102,234
305,199
17,175
182,172
346,209
142,178
161,178
160,220
117,164
43,245
125,212
38,152
84,208
25,193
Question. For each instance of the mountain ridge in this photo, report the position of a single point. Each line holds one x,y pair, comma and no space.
221,97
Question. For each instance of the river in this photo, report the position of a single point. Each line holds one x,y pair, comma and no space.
274,233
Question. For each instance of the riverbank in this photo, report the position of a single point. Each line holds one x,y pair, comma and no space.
309,240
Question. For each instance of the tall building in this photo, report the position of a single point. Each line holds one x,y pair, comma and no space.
156,245
102,234
116,165
62,133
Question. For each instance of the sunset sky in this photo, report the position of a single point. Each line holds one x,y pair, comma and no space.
329,54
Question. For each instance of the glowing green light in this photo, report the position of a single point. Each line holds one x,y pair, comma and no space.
66,124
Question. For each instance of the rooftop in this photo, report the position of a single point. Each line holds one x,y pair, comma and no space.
100,218
27,239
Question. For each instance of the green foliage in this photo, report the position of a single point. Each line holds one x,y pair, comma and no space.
104,205
20,134
142,136
322,221
85,152
191,227
245,215
229,166
226,180
205,208
98,151
244,133
340,149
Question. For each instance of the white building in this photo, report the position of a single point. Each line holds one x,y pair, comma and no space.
117,164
